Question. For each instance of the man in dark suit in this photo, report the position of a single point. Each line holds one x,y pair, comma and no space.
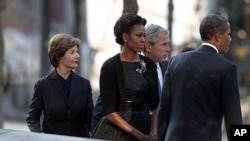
200,88
157,49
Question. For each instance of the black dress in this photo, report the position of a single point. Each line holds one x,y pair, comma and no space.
133,107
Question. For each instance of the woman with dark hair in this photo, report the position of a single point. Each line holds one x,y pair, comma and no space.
64,98
128,87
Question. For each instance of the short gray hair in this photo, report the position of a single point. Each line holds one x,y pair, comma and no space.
152,31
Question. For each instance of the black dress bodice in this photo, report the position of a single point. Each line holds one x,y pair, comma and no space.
133,106
136,86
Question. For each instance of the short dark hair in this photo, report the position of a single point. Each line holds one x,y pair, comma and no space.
211,25
58,45
124,25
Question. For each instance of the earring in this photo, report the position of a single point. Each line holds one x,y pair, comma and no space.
125,40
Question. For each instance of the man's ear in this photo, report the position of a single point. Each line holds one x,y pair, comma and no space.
147,47
217,36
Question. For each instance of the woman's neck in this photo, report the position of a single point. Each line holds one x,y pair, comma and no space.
129,56
64,73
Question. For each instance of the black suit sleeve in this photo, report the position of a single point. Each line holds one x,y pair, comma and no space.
231,99
164,106
89,105
97,114
35,109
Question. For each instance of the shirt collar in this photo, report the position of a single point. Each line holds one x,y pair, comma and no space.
208,44
158,64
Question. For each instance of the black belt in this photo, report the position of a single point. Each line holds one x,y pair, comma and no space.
133,106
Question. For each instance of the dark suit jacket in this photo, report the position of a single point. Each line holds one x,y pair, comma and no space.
115,61
163,65
98,114
200,87
64,116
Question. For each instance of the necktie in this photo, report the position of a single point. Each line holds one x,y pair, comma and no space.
159,88
159,78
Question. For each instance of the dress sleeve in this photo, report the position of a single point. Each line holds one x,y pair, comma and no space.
152,77
108,88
